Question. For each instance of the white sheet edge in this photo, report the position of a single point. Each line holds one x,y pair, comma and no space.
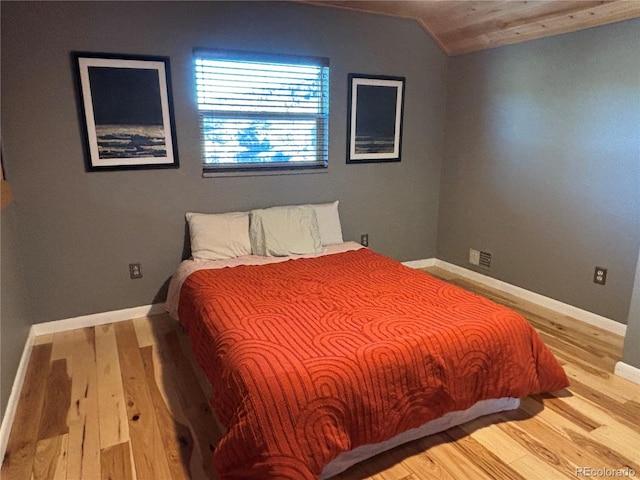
451,419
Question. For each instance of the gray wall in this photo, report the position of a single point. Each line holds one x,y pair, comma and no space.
542,165
79,230
631,351
15,319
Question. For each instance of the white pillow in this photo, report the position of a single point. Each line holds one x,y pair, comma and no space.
282,231
328,223
219,236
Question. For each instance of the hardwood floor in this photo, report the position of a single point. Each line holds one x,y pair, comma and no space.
127,401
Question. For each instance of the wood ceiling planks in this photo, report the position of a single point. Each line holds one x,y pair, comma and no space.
463,26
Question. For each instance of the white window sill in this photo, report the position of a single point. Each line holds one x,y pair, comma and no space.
265,173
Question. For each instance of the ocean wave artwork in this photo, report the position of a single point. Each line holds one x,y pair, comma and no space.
374,144
131,141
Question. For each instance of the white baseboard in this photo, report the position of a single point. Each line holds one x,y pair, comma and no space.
628,372
96,319
54,327
429,262
622,369
12,403
550,303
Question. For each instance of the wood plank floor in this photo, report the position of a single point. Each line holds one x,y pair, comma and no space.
127,401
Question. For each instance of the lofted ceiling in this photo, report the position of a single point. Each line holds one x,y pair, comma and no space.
463,26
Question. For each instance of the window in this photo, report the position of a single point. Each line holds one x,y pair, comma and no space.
262,111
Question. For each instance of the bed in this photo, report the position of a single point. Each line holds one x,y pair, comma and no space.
321,359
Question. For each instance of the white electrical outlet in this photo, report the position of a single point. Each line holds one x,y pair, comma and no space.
474,256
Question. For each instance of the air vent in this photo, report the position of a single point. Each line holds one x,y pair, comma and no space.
481,259
485,259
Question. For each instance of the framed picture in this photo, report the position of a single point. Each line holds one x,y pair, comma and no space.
374,127
127,111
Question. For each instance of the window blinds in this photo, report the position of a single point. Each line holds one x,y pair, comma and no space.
262,111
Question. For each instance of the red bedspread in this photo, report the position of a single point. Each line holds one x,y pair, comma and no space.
312,357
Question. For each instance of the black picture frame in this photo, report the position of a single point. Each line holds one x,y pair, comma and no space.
126,111
374,122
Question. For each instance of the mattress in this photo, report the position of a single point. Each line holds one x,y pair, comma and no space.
313,357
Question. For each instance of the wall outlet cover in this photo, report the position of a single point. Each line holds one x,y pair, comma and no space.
600,276
135,271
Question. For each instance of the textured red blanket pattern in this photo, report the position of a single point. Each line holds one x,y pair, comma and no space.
312,357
